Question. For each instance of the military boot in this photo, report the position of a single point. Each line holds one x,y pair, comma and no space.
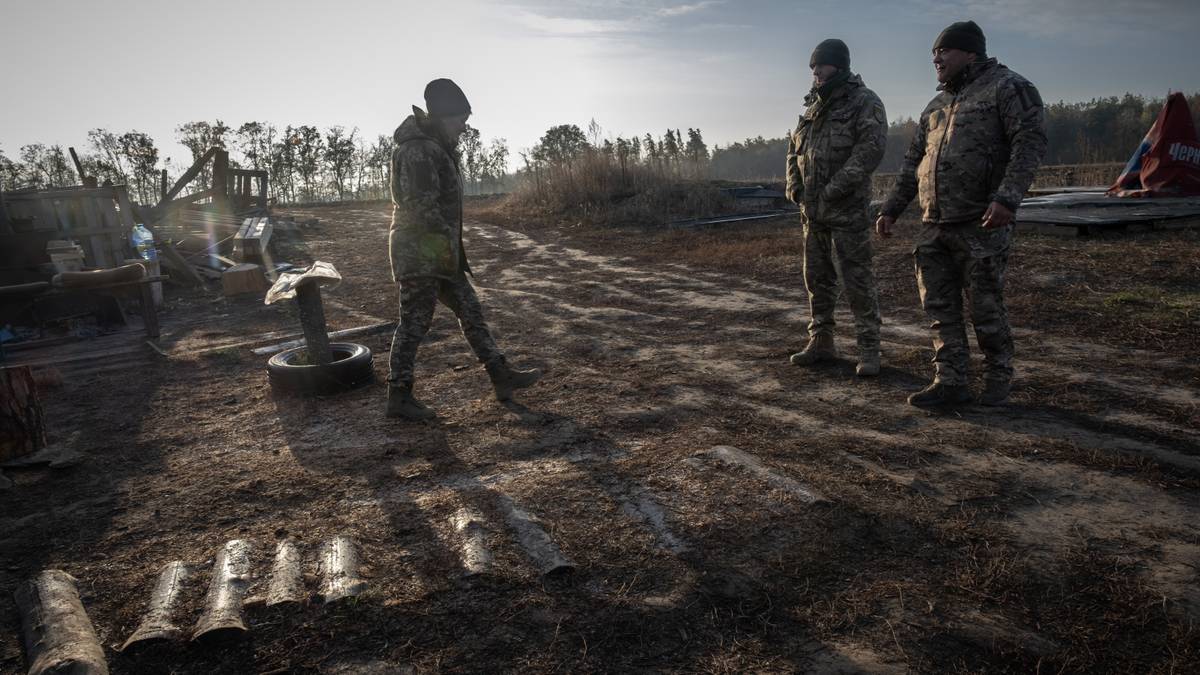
868,363
939,394
995,392
505,379
400,403
820,348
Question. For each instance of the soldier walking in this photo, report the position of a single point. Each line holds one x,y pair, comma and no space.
840,139
976,150
426,248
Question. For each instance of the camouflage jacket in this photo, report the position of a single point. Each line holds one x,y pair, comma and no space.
980,140
831,155
425,239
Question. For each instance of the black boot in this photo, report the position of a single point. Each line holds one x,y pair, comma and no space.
400,403
995,392
505,379
938,394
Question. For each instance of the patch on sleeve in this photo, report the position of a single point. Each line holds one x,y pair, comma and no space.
880,115
1028,95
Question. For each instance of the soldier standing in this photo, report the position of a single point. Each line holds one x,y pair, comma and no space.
840,139
426,248
976,150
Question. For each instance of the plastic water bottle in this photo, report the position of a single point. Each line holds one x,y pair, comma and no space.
143,242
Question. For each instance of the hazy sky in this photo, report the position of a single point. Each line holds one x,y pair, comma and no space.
732,69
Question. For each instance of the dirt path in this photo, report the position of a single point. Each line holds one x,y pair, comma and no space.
673,496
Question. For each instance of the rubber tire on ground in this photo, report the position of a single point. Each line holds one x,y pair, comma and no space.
352,367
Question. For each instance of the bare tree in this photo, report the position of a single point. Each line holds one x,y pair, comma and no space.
309,148
46,166
109,162
138,149
339,157
495,162
198,137
470,149
10,173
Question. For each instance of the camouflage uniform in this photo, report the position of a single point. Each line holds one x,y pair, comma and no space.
979,141
426,249
833,152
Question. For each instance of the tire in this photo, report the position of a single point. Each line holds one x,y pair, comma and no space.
352,367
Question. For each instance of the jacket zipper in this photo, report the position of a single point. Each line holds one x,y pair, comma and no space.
937,167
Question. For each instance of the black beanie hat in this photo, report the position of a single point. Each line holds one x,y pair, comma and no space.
443,98
964,35
831,52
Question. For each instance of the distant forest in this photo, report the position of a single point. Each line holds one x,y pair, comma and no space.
307,164
1100,130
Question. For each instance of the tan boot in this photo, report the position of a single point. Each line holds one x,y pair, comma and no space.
820,348
400,403
505,379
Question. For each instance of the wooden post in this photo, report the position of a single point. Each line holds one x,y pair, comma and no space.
220,177
312,322
5,226
86,181
22,428
163,186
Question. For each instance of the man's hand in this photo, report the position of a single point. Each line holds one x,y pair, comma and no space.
997,215
883,226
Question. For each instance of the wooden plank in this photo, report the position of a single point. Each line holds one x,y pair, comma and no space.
221,178
78,165
59,193
194,197
239,239
90,212
5,225
117,237
187,177
149,311
105,229
47,218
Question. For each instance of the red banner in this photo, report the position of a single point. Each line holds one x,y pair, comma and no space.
1167,163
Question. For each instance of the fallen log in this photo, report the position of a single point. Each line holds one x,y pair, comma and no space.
59,637
158,625
286,584
533,538
222,615
338,569
476,558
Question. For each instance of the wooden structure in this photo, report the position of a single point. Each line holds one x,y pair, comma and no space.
243,193
212,223
100,219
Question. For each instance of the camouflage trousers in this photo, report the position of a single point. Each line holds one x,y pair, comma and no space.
826,251
418,298
957,259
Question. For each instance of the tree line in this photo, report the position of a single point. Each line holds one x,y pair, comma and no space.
1101,130
304,163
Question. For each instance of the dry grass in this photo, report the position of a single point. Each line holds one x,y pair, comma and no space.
595,189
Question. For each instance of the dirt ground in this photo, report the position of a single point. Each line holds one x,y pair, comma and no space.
723,511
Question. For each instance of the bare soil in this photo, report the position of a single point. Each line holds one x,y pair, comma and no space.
1057,534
